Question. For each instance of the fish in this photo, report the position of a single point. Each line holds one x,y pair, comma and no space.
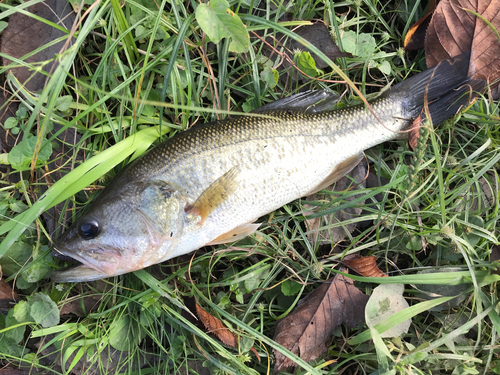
210,184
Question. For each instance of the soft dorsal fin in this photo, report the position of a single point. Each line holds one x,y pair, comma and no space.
235,234
215,194
339,171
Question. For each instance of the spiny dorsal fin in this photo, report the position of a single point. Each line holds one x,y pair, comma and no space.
235,234
339,171
313,101
215,194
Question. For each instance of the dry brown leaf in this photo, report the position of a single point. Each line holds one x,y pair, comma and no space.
479,196
448,21
365,266
454,29
212,324
8,297
84,303
317,34
306,330
6,291
81,308
414,132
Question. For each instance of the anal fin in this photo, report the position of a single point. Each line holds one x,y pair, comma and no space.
235,234
215,194
339,171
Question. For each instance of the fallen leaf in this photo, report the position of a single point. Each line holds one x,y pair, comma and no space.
479,196
385,301
6,291
81,308
432,291
316,34
8,297
455,321
319,36
306,330
212,324
415,37
84,303
365,266
454,29
414,132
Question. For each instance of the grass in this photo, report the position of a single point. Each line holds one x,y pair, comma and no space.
134,76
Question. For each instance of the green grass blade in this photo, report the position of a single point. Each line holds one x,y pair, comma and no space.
450,336
123,28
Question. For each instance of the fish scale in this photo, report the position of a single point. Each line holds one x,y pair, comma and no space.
279,174
209,184
196,156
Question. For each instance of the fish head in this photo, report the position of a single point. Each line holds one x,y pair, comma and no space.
123,231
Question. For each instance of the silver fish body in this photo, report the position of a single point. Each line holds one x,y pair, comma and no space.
209,184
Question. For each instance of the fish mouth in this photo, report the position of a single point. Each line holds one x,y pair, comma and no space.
77,274
98,265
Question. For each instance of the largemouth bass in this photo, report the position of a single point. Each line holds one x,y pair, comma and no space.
208,185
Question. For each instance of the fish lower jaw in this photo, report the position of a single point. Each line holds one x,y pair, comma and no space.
95,268
78,274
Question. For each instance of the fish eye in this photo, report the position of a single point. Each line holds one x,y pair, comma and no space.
89,229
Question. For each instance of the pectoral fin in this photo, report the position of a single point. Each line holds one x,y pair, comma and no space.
338,172
236,234
215,194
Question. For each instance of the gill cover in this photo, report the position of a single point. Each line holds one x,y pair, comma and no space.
126,229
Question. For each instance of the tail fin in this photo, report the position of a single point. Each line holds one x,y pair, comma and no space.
447,85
